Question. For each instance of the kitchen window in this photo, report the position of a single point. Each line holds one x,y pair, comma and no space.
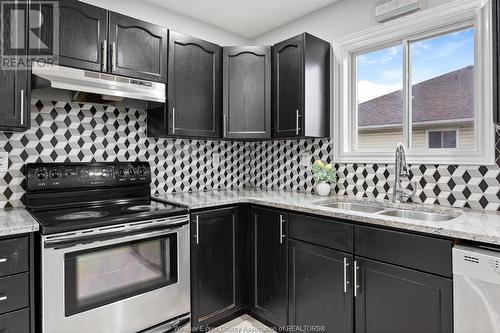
423,80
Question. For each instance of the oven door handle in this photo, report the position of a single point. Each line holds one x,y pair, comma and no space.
70,242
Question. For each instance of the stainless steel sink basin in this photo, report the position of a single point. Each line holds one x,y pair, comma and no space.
414,215
353,207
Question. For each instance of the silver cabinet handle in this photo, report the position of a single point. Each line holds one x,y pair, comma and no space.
297,123
356,286
105,56
224,125
282,221
2,260
113,56
22,106
346,264
3,298
173,120
197,229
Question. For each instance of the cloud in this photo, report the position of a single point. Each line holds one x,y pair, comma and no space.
368,90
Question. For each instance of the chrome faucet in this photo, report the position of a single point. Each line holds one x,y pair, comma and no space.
401,169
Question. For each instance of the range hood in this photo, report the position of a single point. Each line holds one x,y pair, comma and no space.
88,83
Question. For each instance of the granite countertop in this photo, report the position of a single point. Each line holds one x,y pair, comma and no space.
474,225
14,221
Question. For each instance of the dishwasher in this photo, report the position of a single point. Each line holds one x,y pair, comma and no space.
476,289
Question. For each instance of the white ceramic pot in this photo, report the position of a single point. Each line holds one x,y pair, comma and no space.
323,189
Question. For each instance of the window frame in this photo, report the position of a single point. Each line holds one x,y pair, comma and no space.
453,16
442,130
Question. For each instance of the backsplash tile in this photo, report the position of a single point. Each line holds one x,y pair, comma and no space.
73,132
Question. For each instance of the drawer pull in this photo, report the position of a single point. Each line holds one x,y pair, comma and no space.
3,298
2,260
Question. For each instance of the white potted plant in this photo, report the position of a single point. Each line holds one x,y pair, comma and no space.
324,174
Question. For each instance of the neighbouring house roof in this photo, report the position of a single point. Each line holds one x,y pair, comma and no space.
446,97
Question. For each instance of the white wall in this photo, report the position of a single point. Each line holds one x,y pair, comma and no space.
329,23
159,15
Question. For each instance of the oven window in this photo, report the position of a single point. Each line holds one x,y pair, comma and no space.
104,275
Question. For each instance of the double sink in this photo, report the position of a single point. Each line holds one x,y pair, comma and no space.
387,211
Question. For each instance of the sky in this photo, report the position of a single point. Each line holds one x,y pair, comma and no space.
380,72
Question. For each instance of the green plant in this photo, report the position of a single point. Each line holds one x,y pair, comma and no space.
323,172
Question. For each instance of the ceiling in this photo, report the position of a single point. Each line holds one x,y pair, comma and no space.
248,18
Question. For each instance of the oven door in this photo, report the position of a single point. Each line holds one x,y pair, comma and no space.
115,281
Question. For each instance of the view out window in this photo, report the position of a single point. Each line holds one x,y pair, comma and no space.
440,75
380,98
442,139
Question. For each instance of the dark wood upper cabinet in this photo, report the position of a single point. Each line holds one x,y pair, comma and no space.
247,92
83,31
269,281
301,87
215,266
496,60
393,299
15,84
319,288
194,87
137,48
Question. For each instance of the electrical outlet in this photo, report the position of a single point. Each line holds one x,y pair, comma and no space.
4,162
305,160
215,160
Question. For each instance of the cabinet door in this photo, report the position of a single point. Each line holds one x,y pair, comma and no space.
288,87
320,292
138,48
194,87
83,31
214,266
247,92
15,83
392,299
269,262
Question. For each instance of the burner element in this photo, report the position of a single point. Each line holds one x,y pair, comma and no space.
81,215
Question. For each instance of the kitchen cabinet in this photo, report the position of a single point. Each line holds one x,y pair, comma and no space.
137,48
83,31
320,292
393,299
194,87
496,59
301,87
95,39
247,92
269,278
15,84
215,266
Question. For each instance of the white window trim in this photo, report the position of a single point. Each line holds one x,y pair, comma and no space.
457,137
427,22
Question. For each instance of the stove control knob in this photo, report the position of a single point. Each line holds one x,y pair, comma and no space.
41,175
131,172
142,171
121,172
55,174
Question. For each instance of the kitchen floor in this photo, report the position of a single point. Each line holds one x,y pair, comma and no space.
243,324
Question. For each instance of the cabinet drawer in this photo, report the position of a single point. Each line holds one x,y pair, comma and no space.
320,231
15,322
14,292
428,254
14,256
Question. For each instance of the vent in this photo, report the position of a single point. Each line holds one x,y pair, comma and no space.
474,260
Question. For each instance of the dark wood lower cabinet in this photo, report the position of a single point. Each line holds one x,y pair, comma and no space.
269,299
215,276
392,299
320,294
